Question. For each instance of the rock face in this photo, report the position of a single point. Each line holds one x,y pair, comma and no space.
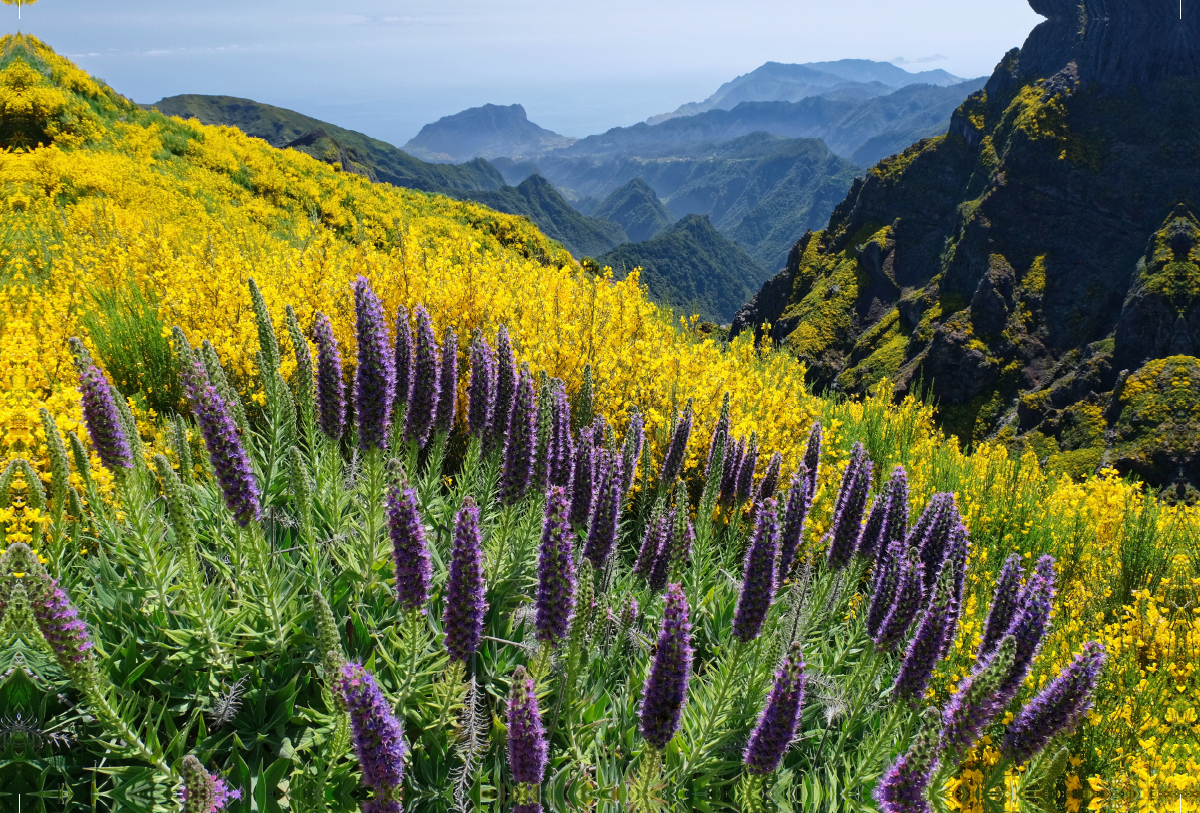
1031,264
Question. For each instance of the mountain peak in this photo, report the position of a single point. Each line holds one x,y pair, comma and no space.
488,131
637,209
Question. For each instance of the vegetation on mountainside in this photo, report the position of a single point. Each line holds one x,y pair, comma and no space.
212,657
636,209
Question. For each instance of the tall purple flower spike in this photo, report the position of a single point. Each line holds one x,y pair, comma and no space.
794,515
631,451
674,546
720,430
676,453
1028,628
888,519
956,564
606,508
812,458
883,588
59,621
926,647
770,480
103,420
910,594
481,393
562,458
583,480
902,788
729,471
1004,606
745,475
422,409
506,391
331,388
404,359
202,792
657,530
517,473
758,575
666,686
409,549
448,388
777,725
526,737
375,378
848,511
225,448
378,736
556,571
1057,708
462,618
976,702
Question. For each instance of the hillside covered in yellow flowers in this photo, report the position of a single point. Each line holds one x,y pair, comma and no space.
119,223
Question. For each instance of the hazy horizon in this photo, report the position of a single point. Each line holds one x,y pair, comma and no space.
387,68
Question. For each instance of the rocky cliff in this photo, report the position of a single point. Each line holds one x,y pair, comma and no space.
1037,267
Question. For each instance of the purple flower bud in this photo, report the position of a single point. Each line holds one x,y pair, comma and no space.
632,450
910,593
666,686
331,389
422,410
375,378
729,471
506,391
656,533
526,738
562,447
448,389
794,515
378,736
405,367
602,525
902,788
58,619
812,458
225,448
1004,606
481,395
758,575
556,571
409,549
848,510
925,648
677,450
103,420
770,480
203,792
462,619
518,453
976,703
583,481
745,475
777,725
1057,708
888,520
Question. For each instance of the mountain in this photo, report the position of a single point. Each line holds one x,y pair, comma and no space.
484,132
347,149
778,82
1037,268
537,199
636,209
691,267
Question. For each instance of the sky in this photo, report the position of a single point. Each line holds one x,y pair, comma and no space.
579,67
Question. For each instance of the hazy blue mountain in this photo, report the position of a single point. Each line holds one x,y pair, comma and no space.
779,82
514,171
351,150
693,268
484,132
636,209
537,199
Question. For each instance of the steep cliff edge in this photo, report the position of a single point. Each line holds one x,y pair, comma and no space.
1006,266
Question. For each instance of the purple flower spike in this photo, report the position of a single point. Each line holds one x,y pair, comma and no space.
527,807
631,451
378,736
583,480
848,511
448,389
902,788
375,378
602,525
1028,628
225,448
382,805
519,452
462,619
1057,708
481,394
758,576
556,571
656,533
677,450
976,703
956,562
777,725
883,588
666,686
562,455
1004,606
927,644
745,475
331,389
721,430
422,411
888,520
103,420
794,515
526,738
910,594
932,533
409,549
203,792
812,458
506,391
770,480
729,471
59,622
675,546
405,369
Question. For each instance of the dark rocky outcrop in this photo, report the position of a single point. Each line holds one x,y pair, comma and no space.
1042,256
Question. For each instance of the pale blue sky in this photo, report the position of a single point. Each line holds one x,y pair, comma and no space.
387,68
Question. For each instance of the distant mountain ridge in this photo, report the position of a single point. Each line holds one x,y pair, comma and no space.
636,209
489,131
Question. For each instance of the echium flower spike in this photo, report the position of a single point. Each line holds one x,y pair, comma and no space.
770,480
746,469
812,458
910,593
652,540
556,572
506,391
734,451
448,388
462,619
543,451
267,341
666,686
884,582
60,466
720,431
935,528
925,648
405,366
602,525
526,738
378,736
216,376
583,480
777,724
889,510
956,563
375,378
409,548
104,421
1057,708
83,463
1028,627
795,513
422,409
902,788
852,500
758,575
1004,606
331,389
481,392
631,451
658,568
329,640
677,450
517,473
975,704
55,615
225,449
563,457
199,793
